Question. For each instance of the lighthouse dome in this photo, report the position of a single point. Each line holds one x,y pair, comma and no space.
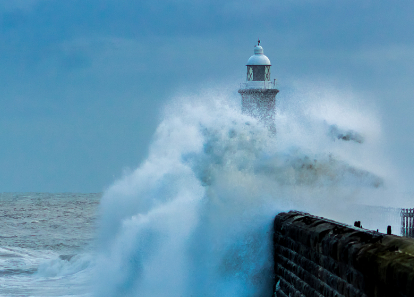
258,58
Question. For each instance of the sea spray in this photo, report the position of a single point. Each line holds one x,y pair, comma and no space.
195,219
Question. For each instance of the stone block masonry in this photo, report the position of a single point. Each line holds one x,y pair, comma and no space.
315,256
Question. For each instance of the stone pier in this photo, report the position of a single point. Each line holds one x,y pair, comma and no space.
315,256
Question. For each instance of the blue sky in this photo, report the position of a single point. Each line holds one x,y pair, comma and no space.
82,82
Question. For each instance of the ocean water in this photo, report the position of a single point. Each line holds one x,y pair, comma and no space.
195,218
46,243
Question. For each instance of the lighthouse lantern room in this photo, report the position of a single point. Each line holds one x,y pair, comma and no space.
258,66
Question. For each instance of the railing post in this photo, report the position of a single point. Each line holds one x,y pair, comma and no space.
407,214
404,221
407,222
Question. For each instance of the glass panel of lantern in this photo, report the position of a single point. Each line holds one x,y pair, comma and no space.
258,73
249,73
267,73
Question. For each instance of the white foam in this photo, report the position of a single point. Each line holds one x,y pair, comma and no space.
195,218
26,272
57,266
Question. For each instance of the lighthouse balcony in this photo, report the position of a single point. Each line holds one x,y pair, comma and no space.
258,85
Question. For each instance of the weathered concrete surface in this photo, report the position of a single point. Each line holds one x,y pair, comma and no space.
318,257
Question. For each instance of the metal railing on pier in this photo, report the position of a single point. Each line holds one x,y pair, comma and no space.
407,222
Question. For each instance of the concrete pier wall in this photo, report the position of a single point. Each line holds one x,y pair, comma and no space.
318,257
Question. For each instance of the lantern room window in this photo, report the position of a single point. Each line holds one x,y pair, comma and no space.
258,73
249,73
267,73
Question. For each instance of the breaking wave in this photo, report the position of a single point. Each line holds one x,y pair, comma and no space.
64,265
195,218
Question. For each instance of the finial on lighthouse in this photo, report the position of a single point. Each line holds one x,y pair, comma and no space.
258,41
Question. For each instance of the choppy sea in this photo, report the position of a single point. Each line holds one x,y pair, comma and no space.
46,243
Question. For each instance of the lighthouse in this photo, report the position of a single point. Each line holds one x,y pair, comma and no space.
259,92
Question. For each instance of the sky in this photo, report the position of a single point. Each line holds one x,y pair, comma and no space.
83,82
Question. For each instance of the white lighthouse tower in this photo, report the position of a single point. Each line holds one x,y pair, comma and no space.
259,93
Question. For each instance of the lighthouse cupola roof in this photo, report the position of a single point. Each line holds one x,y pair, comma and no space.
258,58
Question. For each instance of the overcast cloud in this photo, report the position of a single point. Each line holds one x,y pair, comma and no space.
82,82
